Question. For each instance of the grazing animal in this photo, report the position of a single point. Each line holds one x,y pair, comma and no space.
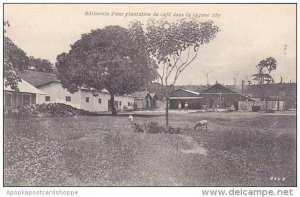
201,124
130,118
135,126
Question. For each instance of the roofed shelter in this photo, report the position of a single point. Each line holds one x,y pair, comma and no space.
181,96
219,96
145,100
27,95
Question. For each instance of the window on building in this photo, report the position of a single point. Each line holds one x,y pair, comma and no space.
129,103
26,99
68,98
47,98
99,100
8,99
33,99
221,98
120,103
87,99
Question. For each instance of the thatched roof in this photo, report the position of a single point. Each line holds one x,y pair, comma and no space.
37,78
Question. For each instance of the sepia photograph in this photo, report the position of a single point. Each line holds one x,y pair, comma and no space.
172,95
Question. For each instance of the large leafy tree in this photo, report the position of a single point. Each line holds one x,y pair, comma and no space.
263,75
112,58
41,65
15,59
174,46
264,69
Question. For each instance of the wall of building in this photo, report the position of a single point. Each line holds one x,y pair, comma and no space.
222,100
177,96
126,102
79,99
93,104
139,103
13,99
153,103
145,103
192,103
58,95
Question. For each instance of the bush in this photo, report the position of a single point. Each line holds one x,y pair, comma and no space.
154,127
44,110
174,130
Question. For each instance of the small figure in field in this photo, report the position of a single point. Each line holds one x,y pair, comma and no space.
186,106
201,124
179,106
135,126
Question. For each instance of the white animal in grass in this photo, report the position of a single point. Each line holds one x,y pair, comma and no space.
135,126
130,118
201,124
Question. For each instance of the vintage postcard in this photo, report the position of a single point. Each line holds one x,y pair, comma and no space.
149,95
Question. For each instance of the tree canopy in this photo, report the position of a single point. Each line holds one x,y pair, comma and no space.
112,58
15,59
264,69
41,65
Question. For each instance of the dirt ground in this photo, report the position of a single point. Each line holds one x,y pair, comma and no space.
239,149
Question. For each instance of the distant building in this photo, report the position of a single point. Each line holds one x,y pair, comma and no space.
286,92
145,100
216,96
82,99
182,96
219,96
27,95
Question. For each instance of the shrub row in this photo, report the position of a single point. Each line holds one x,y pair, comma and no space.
44,110
154,127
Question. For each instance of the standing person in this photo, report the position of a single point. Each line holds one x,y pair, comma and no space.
179,106
186,105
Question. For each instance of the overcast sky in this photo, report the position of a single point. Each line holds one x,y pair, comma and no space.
249,33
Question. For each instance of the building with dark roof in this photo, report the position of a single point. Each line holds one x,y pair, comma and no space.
144,100
220,96
27,95
216,96
37,78
182,96
82,99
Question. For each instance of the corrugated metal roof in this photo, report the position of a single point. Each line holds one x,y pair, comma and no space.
190,91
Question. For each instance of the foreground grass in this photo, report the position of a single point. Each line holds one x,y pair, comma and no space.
243,150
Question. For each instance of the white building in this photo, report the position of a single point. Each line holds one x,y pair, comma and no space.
82,99
27,95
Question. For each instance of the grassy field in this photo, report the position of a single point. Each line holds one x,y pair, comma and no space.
239,149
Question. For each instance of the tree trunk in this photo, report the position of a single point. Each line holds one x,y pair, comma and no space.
112,106
167,111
